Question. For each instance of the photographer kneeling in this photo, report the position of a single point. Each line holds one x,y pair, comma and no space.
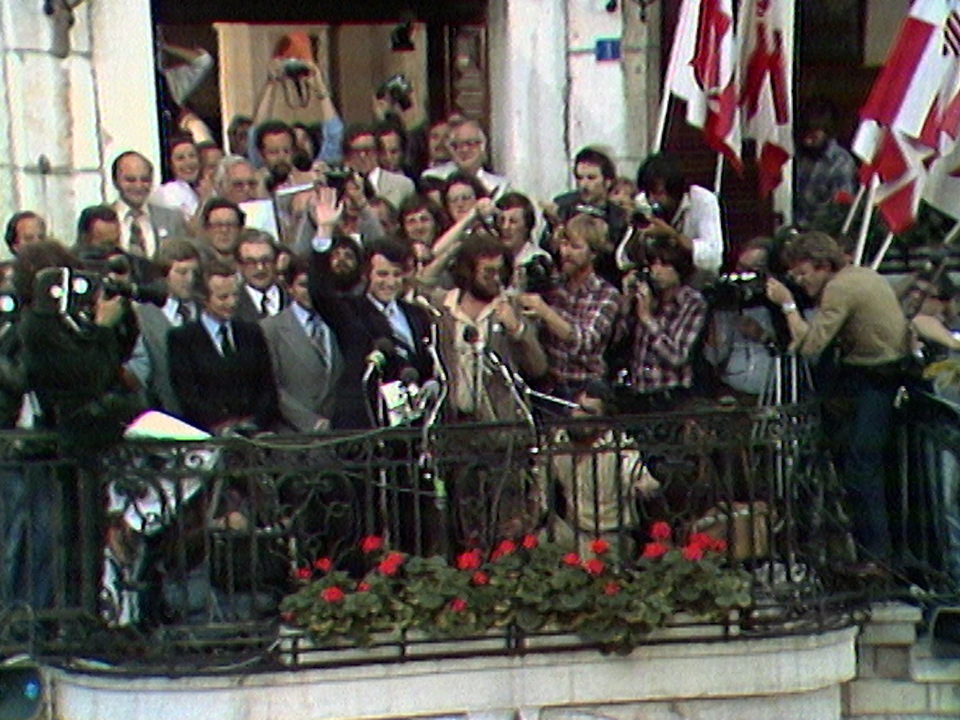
75,339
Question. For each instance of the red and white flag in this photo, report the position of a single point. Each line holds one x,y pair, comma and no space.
901,120
766,75
702,70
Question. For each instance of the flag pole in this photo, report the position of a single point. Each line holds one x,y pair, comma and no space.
887,242
718,174
852,213
865,224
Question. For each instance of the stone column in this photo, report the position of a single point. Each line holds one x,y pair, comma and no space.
61,118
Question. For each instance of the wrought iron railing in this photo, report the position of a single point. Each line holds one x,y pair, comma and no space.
168,557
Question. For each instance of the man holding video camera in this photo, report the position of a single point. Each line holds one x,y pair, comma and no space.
77,331
858,308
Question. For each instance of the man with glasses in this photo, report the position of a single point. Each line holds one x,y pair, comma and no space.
468,148
236,180
221,221
360,154
261,295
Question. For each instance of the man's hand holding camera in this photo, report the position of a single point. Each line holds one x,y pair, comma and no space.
109,311
780,294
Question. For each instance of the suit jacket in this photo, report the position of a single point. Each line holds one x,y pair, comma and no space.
154,326
247,309
166,222
358,324
392,187
213,389
306,377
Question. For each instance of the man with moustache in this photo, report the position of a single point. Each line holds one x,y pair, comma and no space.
578,316
823,167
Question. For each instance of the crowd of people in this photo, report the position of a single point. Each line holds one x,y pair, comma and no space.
281,286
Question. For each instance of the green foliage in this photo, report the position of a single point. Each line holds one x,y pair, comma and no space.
531,586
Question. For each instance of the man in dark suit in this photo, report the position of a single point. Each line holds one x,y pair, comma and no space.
364,322
143,226
179,262
307,362
260,293
220,365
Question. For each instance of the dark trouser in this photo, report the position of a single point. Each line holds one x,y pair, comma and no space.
868,425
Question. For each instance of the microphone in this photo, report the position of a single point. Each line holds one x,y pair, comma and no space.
377,358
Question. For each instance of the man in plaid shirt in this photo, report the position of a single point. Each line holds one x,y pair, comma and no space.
667,318
579,315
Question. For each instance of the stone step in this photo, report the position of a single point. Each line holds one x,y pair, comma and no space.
925,668
901,699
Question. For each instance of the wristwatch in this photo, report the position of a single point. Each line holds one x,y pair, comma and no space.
788,307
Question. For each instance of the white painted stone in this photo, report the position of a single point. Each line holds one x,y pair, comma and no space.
894,612
596,104
926,668
781,667
84,133
944,699
26,27
528,77
588,21
80,35
36,86
874,697
888,634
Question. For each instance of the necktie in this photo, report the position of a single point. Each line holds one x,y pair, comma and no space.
138,245
183,312
264,305
318,335
226,344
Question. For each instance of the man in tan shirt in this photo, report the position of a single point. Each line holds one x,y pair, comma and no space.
858,308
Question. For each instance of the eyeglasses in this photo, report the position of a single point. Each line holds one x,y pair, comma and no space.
457,144
461,198
243,183
257,262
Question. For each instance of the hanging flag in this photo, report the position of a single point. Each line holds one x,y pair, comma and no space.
904,113
766,74
702,71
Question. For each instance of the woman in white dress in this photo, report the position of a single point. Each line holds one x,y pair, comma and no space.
181,191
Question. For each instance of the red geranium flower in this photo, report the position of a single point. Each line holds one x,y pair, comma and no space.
504,548
599,546
593,566
363,586
480,578
458,605
304,573
693,553
323,564
571,559
719,545
660,530
332,594
611,588
700,540
371,543
391,563
652,551
469,560
530,542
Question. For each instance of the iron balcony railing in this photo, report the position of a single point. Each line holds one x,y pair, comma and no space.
171,557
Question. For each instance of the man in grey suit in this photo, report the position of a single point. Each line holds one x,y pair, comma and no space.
143,227
261,295
306,360
179,261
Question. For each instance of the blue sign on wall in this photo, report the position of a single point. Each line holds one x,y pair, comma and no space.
608,49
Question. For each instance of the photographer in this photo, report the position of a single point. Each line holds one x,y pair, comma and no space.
665,324
687,214
742,330
75,343
857,307
578,315
532,265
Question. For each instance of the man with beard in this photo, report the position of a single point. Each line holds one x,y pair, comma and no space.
595,174
579,314
478,314
275,142
823,167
